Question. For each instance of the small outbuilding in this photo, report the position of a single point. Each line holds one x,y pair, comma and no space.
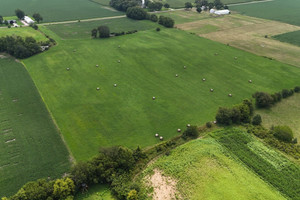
220,12
28,20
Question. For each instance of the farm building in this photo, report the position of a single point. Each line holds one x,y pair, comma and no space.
28,20
11,21
220,12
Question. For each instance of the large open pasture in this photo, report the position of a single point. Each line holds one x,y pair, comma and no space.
58,10
82,30
286,11
204,170
143,67
285,112
30,144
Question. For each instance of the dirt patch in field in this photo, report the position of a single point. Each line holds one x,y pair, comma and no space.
163,187
250,34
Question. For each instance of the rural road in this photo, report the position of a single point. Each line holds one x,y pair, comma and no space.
252,2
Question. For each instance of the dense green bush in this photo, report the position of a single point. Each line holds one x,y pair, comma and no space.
152,6
153,18
287,93
283,133
136,13
104,31
208,124
263,99
190,132
166,21
256,120
297,89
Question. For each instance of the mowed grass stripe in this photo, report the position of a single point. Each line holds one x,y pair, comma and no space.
126,114
30,144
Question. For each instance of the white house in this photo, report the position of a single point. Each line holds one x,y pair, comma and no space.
220,12
28,20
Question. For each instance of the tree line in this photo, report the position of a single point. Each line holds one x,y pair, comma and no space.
199,4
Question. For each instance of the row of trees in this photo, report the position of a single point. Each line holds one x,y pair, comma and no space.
266,100
19,47
199,4
104,32
21,14
123,5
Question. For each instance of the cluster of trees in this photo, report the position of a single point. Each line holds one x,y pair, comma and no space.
19,47
104,32
199,4
166,21
20,13
123,5
137,13
238,114
48,190
191,132
37,17
154,6
266,100
112,165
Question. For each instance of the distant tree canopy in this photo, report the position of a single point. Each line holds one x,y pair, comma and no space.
154,6
18,47
1,19
20,13
123,5
166,5
136,13
37,17
104,31
188,5
283,133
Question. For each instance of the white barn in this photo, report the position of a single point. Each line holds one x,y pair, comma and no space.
28,20
220,12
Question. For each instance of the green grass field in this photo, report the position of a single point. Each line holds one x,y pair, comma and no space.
23,32
82,30
102,2
291,37
96,192
204,170
126,114
280,10
30,144
284,113
58,10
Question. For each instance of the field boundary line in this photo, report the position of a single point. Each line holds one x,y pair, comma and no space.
252,2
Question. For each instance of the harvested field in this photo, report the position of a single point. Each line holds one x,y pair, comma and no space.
248,33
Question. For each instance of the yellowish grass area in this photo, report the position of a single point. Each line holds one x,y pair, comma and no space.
284,113
247,33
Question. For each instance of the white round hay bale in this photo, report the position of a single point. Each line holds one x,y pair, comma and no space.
153,98
119,61
97,88
115,85
176,75
97,65
230,95
179,130
250,81
161,138
235,58
119,46
188,125
216,54
211,90
203,79
215,122
68,69
156,135
184,67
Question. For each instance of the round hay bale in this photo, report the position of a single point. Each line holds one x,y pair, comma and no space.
188,125
156,135
184,67
250,81
161,138
216,54
119,61
97,65
153,98
215,122
179,130
119,46
203,79
68,69
74,50
97,88
230,95
211,90
115,85
235,58
176,75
